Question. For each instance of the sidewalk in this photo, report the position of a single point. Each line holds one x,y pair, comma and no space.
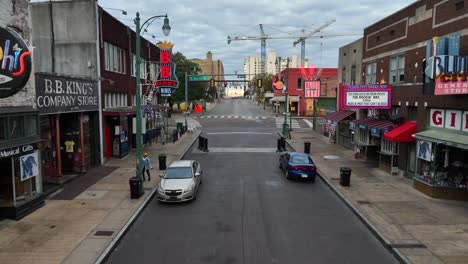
82,229
416,228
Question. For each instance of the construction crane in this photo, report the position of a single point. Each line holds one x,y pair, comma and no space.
303,38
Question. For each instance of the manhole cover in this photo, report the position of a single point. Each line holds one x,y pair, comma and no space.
407,246
331,157
363,202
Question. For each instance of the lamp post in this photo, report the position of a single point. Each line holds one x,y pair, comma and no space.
166,30
286,100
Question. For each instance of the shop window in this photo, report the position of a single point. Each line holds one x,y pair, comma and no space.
397,69
389,147
3,127
353,75
371,70
442,166
16,127
363,136
30,126
6,183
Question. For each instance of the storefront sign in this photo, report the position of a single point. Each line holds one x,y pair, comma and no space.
450,119
366,96
312,89
450,74
167,76
16,151
28,166
61,94
165,91
15,63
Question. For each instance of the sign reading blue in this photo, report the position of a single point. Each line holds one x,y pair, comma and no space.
166,91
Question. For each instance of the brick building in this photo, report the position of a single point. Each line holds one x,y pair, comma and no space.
396,51
20,142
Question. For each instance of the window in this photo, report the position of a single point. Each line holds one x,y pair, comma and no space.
343,75
459,5
133,65
353,75
153,68
114,58
16,130
299,83
412,113
389,147
143,68
371,69
397,69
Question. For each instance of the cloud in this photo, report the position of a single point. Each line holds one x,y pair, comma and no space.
203,25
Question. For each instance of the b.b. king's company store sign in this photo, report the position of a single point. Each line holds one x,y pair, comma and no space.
15,63
61,94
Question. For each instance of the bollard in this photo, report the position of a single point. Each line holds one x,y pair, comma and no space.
278,145
205,146
283,143
307,147
201,141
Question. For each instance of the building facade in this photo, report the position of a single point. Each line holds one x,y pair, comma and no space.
20,142
431,142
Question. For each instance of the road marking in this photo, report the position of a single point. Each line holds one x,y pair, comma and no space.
308,123
239,133
238,150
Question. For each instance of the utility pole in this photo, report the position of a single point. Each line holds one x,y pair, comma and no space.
286,100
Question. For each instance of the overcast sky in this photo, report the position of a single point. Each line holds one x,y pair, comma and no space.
203,25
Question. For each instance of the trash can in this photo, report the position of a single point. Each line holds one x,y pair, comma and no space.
307,147
162,161
136,187
345,176
179,125
175,135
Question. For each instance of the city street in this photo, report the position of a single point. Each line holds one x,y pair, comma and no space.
246,211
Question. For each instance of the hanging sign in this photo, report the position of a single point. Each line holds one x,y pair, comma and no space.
15,63
167,79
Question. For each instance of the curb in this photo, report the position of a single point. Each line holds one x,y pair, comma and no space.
395,252
105,254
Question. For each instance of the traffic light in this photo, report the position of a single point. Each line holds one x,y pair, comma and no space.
212,83
259,83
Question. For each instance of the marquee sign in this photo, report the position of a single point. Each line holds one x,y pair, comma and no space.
57,94
15,63
312,89
366,96
450,74
167,75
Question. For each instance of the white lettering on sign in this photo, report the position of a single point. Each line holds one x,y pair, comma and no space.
367,98
449,119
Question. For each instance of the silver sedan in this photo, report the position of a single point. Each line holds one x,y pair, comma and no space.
180,182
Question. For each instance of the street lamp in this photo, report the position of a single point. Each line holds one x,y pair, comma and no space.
286,102
166,30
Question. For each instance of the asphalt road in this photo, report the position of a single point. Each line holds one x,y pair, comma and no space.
247,212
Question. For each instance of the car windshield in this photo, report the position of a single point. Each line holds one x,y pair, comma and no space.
178,173
300,159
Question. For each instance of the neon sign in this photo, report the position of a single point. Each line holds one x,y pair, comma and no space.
15,63
167,79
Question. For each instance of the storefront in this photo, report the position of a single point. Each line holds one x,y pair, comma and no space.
442,156
20,180
337,127
391,142
69,126
117,139
367,137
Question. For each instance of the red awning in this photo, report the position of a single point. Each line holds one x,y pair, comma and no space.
402,134
338,116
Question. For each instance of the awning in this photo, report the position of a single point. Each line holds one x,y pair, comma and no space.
281,99
338,116
448,138
402,134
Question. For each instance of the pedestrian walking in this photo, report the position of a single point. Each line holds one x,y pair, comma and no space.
146,163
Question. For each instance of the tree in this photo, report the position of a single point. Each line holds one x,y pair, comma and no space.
195,89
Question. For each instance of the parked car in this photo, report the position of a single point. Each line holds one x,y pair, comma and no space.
298,165
180,182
